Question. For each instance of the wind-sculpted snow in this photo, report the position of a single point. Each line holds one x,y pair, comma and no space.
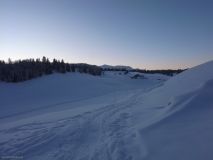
105,133
184,83
134,120
99,126
62,88
187,134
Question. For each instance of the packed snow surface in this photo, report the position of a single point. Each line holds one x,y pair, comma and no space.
110,117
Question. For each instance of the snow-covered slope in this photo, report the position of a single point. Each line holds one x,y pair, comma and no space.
183,125
175,93
110,117
57,89
186,134
185,83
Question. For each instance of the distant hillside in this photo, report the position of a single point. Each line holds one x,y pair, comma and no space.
22,70
117,67
169,72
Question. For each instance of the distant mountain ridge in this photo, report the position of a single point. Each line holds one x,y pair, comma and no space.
105,66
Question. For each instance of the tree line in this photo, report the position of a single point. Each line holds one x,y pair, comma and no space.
22,70
168,72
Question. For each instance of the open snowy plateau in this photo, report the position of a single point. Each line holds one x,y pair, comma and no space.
77,116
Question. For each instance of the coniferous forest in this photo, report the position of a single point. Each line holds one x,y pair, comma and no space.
22,70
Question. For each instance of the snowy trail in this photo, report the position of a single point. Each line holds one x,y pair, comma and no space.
100,127
105,133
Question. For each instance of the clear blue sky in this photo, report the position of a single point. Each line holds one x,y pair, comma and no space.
152,34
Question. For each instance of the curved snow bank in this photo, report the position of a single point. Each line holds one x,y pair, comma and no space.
180,85
175,94
187,134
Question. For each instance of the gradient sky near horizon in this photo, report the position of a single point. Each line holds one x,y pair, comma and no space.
151,34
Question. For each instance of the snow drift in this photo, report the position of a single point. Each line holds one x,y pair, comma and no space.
184,83
181,127
177,91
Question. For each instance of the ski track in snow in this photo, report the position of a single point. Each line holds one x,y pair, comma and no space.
87,129
120,127
106,133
